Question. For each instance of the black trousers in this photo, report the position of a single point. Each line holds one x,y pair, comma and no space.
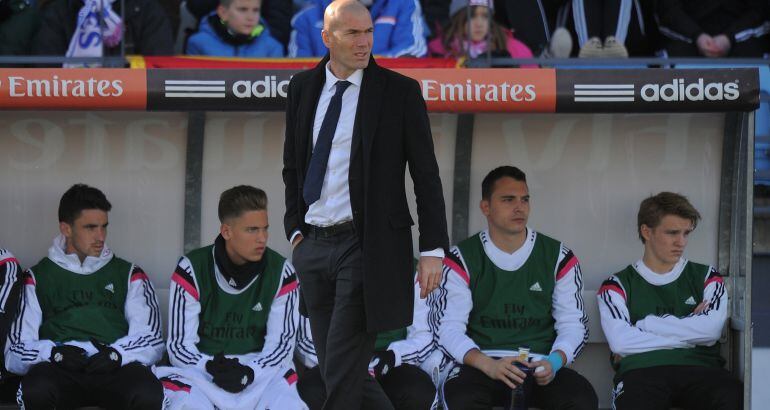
688,387
407,388
331,281
471,389
133,386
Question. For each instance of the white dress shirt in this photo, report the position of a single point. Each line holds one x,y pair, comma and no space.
333,206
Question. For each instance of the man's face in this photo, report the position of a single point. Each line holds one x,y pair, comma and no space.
507,209
349,39
665,243
246,236
86,235
241,16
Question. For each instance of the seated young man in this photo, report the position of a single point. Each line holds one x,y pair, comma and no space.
406,363
663,317
509,287
89,325
233,317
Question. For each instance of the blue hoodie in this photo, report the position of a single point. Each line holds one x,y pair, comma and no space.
398,29
208,42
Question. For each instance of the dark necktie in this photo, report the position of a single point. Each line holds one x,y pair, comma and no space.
314,179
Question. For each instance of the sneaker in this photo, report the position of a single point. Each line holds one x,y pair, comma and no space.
591,49
561,44
614,49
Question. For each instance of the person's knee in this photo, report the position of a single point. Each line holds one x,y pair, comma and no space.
423,397
457,398
729,396
38,390
584,399
145,392
311,389
145,396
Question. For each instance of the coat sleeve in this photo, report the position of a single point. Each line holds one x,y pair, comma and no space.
673,16
53,37
453,308
291,217
418,344
568,307
400,31
24,348
194,47
183,312
423,168
154,37
143,343
750,19
623,337
282,323
278,14
703,328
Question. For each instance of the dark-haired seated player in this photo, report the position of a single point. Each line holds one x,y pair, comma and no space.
509,287
663,317
89,325
406,363
233,317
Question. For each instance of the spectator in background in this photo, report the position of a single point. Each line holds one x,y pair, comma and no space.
714,28
398,29
234,30
19,20
144,29
614,28
474,39
436,13
537,24
276,15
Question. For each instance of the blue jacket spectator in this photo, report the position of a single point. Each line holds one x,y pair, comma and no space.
398,29
276,14
214,39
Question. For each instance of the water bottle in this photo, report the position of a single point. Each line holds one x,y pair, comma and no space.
519,394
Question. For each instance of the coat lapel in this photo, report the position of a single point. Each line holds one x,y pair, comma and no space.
308,104
369,105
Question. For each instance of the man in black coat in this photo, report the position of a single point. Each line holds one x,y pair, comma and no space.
351,129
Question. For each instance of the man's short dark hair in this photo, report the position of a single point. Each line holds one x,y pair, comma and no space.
498,173
654,208
239,199
79,198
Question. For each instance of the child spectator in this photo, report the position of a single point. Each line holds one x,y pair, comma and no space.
234,30
463,39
